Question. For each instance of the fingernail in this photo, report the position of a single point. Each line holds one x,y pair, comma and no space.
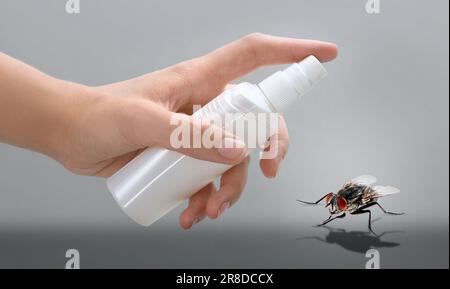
195,221
232,149
222,208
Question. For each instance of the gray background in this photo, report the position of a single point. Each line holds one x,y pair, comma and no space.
383,110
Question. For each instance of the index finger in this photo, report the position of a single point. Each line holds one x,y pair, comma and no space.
255,50
210,73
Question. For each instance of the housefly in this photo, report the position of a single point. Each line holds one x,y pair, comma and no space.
355,197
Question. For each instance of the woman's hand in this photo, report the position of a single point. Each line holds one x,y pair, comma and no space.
97,130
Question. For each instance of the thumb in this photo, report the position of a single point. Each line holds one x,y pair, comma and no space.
198,138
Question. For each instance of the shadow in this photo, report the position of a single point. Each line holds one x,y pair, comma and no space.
355,241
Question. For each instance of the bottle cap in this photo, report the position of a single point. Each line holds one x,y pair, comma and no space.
283,88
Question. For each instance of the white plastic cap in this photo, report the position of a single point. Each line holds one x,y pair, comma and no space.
283,88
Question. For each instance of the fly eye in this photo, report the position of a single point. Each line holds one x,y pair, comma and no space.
342,203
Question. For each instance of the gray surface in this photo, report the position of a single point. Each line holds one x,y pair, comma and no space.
383,110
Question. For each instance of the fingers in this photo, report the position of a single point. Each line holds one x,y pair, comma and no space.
208,201
196,209
210,73
276,151
231,186
255,50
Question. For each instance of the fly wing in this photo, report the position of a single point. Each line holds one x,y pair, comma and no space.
365,180
381,191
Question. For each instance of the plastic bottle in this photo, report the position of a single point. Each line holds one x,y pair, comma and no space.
158,179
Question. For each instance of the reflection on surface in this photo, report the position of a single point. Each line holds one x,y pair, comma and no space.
355,241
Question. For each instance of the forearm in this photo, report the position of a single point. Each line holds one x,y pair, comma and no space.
36,110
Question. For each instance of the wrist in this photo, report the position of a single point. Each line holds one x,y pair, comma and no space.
37,111
61,125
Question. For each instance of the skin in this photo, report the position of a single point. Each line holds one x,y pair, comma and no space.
96,130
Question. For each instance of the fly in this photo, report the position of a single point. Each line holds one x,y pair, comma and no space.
355,197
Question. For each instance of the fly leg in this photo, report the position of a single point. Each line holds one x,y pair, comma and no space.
323,223
313,203
387,212
362,211
331,219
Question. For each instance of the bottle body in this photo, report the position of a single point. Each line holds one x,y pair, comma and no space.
158,180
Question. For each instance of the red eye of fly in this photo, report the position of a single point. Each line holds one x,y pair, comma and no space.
342,203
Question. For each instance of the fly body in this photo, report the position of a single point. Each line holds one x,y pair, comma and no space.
355,197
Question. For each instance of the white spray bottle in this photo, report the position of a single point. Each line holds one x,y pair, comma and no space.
158,179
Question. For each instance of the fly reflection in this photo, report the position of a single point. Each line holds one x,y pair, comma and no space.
355,241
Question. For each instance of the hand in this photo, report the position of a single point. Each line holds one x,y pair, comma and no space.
108,126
